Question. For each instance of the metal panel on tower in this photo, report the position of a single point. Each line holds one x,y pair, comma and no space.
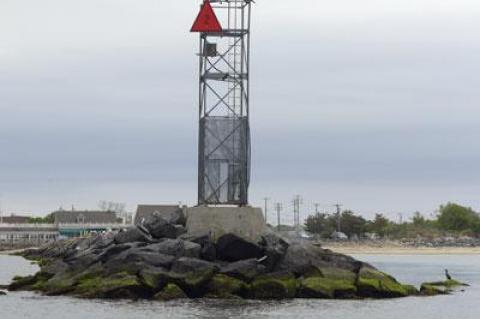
224,132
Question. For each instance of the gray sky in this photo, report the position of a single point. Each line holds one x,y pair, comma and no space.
373,104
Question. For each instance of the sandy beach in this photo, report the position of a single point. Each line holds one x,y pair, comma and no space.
358,249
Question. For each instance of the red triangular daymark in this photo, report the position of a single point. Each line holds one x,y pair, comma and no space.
206,20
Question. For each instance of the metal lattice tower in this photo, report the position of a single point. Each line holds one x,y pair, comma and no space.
224,132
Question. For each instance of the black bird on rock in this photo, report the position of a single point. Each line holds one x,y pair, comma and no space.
447,275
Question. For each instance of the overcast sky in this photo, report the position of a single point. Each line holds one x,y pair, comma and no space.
374,104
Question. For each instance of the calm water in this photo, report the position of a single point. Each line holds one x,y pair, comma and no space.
409,269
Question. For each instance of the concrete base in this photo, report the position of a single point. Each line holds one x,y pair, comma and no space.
245,222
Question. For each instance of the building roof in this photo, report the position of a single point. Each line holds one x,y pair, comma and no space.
13,219
144,211
85,217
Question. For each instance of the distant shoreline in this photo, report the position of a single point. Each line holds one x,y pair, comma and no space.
358,249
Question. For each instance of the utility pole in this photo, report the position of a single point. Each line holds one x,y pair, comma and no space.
297,200
316,207
338,215
400,218
266,199
278,208
1,210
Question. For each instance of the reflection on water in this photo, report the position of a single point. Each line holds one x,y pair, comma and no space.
410,269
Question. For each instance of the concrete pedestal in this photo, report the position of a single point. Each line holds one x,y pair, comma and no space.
245,222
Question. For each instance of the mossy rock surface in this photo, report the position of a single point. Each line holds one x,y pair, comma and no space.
120,285
372,283
195,280
432,290
337,273
57,285
320,287
155,279
440,287
411,290
274,286
170,292
451,283
33,282
222,286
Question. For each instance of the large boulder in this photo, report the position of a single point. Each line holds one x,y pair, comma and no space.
208,247
175,247
133,234
275,247
372,283
151,259
185,265
82,260
320,287
274,286
154,277
301,256
116,286
55,267
244,270
170,292
159,227
114,251
135,259
233,248
224,287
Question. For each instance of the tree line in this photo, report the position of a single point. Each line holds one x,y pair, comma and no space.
451,219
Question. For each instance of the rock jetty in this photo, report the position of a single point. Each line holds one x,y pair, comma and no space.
158,260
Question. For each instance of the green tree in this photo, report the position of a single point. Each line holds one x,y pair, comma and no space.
418,219
379,225
49,219
352,224
455,218
316,224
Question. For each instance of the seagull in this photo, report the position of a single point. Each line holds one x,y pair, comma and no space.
447,275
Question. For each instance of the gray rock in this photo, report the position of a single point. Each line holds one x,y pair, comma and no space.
158,227
208,248
133,234
186,265
82,260
113,251
191,249
135,259
275,248
209,252
180,230
175,217
152,259
244,270
233,248
175,247
301,256
55,267
172,247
